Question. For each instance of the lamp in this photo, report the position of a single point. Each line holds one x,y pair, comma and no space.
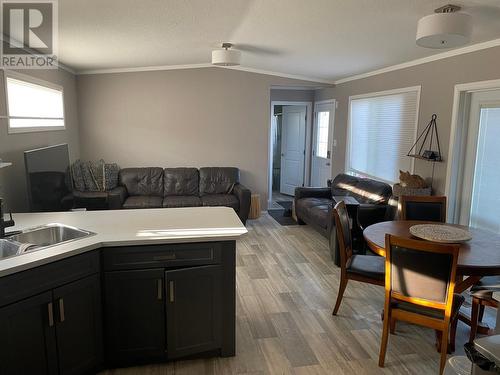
446,28
226,56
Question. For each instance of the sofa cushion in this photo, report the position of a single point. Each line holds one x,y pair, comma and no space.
307,203
365,190
181,181
227,200
143,201
218,180
143,181
181,201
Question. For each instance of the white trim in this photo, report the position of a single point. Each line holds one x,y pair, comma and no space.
424,60
201,66
307,158
299,88
418,89
36,81
457,119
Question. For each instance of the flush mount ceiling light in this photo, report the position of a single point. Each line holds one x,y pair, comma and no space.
226,56
445,29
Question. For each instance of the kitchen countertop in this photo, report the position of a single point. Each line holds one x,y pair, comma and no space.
125,228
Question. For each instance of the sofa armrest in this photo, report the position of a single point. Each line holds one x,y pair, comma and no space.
312,192
369,214
116,197
244,197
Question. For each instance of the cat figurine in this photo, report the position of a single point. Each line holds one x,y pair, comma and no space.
412,181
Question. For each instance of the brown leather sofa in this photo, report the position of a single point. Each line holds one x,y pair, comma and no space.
314,206
153,187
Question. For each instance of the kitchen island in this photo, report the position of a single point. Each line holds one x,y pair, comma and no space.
149,285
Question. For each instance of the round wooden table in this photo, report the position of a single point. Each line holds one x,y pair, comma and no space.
477,258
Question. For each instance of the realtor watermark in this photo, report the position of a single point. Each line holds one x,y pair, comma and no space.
29,34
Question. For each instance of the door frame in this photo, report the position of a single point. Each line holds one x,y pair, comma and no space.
331,135
307,159
457,144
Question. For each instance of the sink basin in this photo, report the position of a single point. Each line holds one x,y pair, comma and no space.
49,235
8,248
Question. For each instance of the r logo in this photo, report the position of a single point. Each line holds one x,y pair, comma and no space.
27,27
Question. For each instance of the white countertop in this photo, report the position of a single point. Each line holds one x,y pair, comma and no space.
126,227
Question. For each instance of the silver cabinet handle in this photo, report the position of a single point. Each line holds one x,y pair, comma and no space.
171,291
50,310
160,289
61,310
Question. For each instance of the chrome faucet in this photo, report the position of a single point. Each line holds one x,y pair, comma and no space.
4,223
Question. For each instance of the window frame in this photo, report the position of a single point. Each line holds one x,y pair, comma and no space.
403,90
33,81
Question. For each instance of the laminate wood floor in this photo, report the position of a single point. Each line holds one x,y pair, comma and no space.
286,288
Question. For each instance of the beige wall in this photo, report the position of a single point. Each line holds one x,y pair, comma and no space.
437,79
192,117
12,146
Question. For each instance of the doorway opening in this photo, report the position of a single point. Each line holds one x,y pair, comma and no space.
473,174
289,155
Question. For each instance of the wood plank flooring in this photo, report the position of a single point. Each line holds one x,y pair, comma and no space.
286,288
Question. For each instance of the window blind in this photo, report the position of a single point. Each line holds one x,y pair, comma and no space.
34,106
382,131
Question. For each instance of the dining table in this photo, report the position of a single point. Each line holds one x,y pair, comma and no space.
478,257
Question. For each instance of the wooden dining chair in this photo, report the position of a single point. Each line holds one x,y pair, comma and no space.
419,288
364,268
482,295
429,208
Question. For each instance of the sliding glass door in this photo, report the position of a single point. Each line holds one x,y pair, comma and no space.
481,178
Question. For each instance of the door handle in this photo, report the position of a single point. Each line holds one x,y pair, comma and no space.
160,289
327,164
171,292
61,310
50,311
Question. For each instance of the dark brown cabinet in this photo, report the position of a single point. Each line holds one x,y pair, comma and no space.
56,332
194,306
79,326
135,315
28,337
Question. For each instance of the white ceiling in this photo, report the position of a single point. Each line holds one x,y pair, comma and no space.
322,39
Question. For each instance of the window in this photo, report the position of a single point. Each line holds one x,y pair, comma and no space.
322,134
382,129
33,105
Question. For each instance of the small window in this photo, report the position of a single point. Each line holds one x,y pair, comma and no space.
382,129
33,106
322,134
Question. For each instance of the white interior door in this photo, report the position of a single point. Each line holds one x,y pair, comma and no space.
481,174
293,143
324,115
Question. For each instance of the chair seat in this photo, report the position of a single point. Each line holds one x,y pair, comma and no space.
458,299
369,266
485,287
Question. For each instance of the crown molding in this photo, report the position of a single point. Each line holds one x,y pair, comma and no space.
199,66
424,60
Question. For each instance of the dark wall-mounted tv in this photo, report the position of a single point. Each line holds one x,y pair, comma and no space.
46,170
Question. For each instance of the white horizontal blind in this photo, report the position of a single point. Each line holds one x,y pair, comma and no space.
34,106
382,131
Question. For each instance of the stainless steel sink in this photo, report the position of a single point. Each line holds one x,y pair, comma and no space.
8,248
49,235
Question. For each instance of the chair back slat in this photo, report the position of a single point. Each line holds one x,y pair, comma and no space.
343,232
420,271
428,208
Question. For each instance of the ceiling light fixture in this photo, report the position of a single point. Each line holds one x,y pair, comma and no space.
226,56
445,29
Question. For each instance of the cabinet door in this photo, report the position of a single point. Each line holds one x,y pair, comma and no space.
193,310
27,334
79,326
134,315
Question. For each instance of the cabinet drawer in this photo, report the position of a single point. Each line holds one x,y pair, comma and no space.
161,256
40,279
